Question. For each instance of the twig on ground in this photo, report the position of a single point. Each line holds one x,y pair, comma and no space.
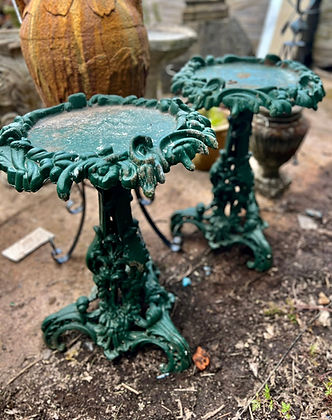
23,371
129,388
248,283
290,348
325,232
180,416
224,415
72,342
85,361
192,389
190,269
211,414
250,412
167,409
304,307
118,411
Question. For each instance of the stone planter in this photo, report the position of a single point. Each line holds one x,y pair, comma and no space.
91,46
273,142
17,91
204,162
166,42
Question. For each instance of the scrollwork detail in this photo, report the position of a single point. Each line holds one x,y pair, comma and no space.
203,93
144,164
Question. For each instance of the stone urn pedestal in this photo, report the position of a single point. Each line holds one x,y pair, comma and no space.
273,142
17,90
166,43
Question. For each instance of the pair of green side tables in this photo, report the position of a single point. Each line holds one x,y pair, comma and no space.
120,144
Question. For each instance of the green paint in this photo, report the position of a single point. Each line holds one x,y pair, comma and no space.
98,128
250,76
88,141
304,87
141,139
243,84
132,307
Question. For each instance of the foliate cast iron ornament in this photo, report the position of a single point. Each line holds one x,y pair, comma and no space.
133,309
143,165
233,215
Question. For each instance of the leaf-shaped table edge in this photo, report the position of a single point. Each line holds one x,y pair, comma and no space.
203,93
144,164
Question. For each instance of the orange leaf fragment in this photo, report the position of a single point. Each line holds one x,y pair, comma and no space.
201,358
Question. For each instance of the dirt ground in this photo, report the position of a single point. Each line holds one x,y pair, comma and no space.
258,328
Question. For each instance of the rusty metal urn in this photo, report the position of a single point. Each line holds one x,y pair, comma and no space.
92,46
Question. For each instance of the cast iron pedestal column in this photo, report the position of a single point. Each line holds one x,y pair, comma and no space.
232,186
133,308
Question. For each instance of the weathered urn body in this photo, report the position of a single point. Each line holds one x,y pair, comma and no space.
90,46
273,142
17,91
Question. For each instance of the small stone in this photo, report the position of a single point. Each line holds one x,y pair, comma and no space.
269,332
254,368
323,299
186,281
46,354
324,319
163,376
239,345
52,300
254,351
306,223
207,270
316,214
88,345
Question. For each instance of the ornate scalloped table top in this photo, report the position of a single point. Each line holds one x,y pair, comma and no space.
250,76
108,140
96,128
247,83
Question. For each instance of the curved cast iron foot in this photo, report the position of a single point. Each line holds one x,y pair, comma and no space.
253,239
193,215
219,233
157,329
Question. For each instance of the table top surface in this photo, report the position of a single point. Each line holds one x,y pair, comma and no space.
96,129
250,76
248,83
108,140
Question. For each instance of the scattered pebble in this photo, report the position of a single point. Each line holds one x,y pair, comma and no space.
254,368
46,354
323,299
163,375
88,345
306,222
175,247
324,319
239,345
52,300
269,332
207,270
316,214
186,281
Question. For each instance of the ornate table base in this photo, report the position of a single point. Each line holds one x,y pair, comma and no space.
133,309
233,216
244,85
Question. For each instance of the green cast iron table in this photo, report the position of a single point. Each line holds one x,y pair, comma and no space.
242,84
118,144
